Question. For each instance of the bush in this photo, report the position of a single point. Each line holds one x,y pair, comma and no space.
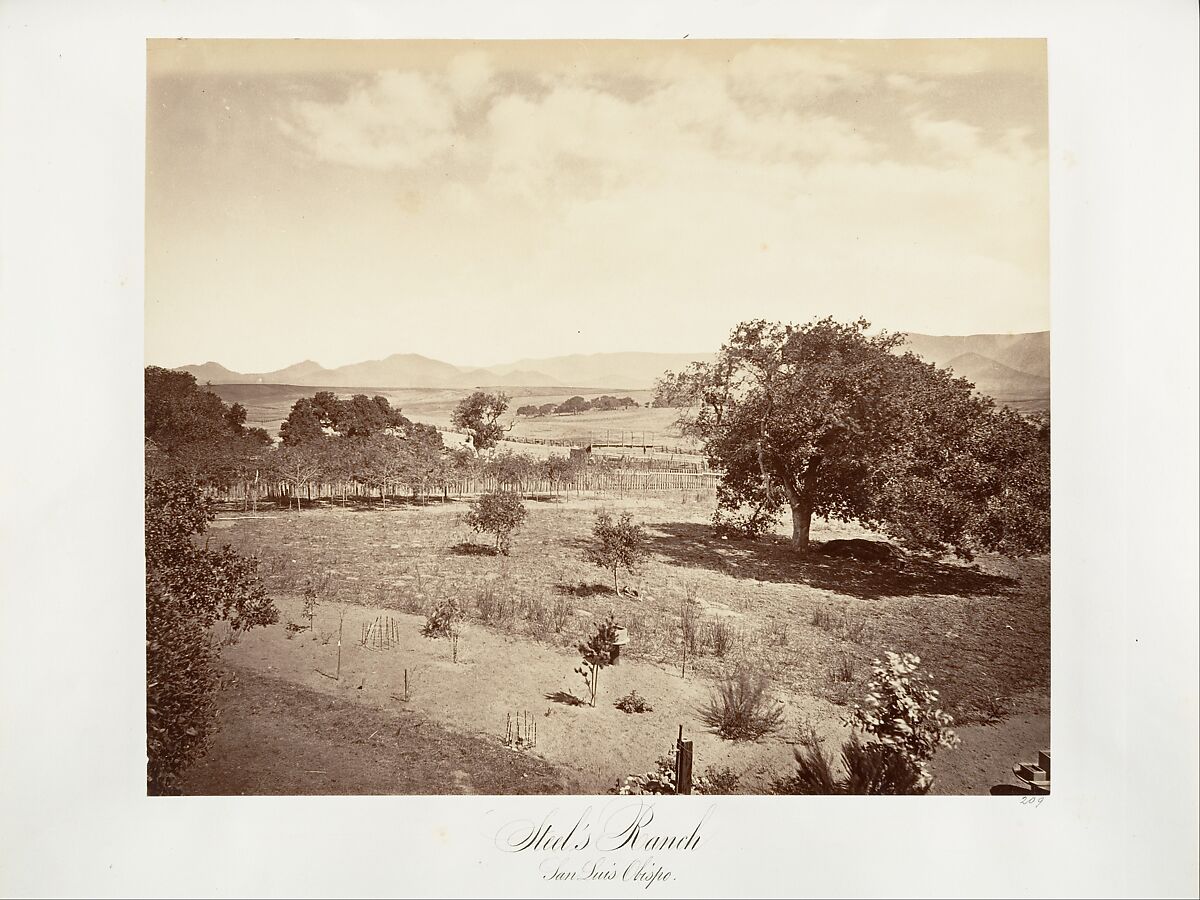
902,713
872,768
500,513
561,614
633,702
188,588
718,781
181,680
740,709
662,780
720,637
616,545
493,608
443,620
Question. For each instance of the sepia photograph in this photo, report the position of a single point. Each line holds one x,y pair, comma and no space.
597,417
571,450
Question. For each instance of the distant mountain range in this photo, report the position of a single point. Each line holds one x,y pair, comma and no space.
611,371
1001,365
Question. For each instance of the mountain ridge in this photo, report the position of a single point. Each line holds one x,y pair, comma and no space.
997,363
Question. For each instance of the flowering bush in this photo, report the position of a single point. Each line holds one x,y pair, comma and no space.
902,713
662,780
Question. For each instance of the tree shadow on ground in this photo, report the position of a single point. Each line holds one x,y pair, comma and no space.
469,548
582,590
1013,790
771,559
564,697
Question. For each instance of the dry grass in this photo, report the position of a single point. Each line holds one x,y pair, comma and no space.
796,617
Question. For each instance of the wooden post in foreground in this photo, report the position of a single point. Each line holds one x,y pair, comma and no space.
683,765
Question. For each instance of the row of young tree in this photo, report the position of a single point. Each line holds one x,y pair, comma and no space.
352,445
577,404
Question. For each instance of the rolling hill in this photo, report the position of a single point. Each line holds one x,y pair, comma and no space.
1009,367
1028,353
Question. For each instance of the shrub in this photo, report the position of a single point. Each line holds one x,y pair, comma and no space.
181,680
720,637
500,513
633,702
616,545
871,768
719,781
493,608
843,667
561,614
443,620
902,713
740,708
661,780
188,588
822,617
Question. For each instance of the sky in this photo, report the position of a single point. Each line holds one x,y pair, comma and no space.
480,202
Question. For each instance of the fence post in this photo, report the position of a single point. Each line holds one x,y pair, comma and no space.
683,765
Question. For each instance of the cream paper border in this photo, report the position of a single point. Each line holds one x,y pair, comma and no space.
1122,817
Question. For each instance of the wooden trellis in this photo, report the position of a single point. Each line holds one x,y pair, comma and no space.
382,634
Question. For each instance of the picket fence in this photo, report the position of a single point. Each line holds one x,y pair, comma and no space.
620,482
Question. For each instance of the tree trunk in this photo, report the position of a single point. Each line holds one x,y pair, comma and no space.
801,522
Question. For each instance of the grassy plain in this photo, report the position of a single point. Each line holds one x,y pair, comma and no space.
267,405
811,624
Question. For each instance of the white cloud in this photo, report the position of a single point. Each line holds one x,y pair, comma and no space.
908,85
787,75
399,119
715,187
470,76
949,136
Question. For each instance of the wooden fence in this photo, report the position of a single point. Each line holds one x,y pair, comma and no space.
620,482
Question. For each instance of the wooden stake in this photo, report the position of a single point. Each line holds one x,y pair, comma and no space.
339,663
683,768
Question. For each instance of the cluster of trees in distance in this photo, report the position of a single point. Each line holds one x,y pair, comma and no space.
358,442
573,405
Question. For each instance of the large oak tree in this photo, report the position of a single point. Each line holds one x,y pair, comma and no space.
831,421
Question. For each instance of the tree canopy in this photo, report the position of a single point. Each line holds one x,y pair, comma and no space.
190,430
187,588
479,415
830,421
322,415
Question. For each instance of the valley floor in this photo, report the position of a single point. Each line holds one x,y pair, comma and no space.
811,625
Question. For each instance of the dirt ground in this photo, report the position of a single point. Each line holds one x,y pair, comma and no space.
811,625
279,738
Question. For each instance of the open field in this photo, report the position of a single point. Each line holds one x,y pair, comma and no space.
267,405
812,625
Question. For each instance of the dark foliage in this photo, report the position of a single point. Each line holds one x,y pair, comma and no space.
187,589
870,768
825,420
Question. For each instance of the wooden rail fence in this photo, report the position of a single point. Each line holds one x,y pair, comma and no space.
619,482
